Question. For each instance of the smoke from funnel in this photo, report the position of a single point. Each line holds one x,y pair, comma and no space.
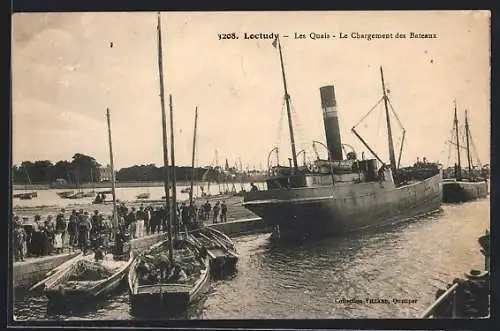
330,119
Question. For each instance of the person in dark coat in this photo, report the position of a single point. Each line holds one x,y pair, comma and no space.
207,209
216,212
84,228
155,220
193,216
94,232
131,221
49,235
37,237
223,212
73,229
184,214
147,219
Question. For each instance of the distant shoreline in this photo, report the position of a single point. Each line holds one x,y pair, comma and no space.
106,185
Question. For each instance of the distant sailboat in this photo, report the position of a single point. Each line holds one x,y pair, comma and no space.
463,186
26,195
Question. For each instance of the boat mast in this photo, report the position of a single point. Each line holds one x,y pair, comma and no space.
165,149
173,208
193,156
392,158
468,146
113,188
218,170
288,111
459,167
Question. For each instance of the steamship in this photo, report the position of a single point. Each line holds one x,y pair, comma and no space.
339,195
468,186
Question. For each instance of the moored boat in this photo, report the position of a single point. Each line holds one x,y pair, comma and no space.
220,248
173,285
77,195
26,196
65,194
463,186
340,195
142,196
86,278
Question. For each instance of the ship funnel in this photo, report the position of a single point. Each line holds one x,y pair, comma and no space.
330,119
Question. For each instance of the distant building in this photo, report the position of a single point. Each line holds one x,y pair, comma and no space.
61,181
105,174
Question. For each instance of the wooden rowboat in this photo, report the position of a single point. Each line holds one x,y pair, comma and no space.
142,196
154,281
84,278
220,248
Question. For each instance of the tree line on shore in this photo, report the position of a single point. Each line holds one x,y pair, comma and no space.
85,169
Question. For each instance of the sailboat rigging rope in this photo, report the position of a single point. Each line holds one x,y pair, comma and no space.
280,124
475,151
379,120
373,108
395,115
299,128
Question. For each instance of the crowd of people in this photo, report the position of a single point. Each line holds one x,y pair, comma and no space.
80,230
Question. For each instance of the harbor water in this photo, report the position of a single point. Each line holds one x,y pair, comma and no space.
49,197
360,275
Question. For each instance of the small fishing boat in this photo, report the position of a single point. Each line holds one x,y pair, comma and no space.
467,297
141,196
186,190
65,194
155,280
26,195
90,194
87,278
464,185
77,195
220,248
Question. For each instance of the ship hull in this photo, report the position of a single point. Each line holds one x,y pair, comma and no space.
459,191
344,208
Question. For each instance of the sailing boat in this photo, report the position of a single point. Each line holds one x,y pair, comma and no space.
464,186
26,195
79,194
91,193
339,195
175,279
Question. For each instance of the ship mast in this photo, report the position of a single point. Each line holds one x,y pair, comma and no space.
173,207
458,174
165,149
113,186
392,158
468,146
288,111
193,157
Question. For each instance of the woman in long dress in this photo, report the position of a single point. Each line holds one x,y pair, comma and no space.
58,242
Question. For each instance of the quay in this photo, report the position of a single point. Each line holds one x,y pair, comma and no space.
28,272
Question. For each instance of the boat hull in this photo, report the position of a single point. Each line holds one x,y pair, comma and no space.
459,191
166,297
344,207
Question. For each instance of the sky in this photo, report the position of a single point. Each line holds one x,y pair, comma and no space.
65,75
